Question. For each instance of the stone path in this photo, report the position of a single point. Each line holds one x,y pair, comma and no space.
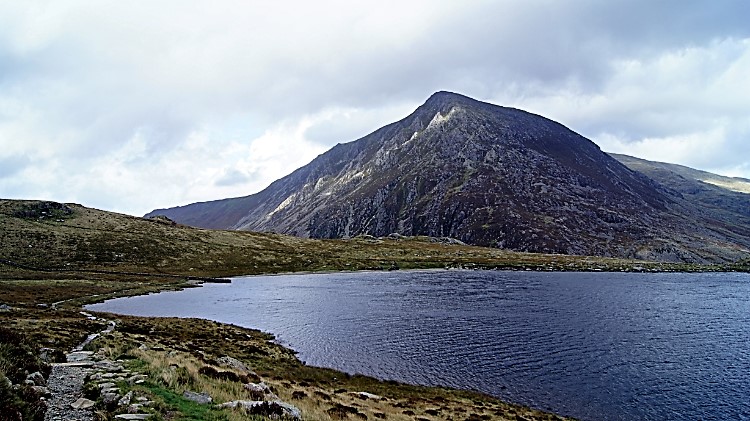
65,383
66,380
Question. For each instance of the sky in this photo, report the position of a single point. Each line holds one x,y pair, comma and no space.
132,106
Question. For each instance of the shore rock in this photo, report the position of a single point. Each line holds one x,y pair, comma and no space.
229,362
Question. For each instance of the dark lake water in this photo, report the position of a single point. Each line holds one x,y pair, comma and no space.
608,346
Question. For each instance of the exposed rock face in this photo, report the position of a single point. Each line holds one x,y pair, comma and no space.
44,210
480,173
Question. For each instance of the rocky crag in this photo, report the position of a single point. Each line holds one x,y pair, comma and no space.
486,175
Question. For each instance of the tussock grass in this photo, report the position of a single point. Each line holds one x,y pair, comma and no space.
165,349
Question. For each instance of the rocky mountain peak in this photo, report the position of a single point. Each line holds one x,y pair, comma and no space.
461,168
444,100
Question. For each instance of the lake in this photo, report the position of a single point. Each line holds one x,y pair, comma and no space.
611,346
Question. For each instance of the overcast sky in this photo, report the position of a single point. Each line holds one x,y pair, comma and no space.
131,106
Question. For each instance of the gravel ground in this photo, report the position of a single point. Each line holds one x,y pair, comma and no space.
66,384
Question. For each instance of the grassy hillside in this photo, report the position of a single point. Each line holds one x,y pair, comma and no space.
72,239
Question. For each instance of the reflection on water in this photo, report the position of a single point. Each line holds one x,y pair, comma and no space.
590,345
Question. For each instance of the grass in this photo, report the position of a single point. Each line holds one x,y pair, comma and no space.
187,409
168,350
55,258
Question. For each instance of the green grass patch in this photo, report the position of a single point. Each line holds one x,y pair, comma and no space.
188,410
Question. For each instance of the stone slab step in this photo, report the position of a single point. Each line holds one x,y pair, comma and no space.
74,364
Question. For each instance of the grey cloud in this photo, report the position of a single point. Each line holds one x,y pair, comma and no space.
12,165
233,176
531,51
93,82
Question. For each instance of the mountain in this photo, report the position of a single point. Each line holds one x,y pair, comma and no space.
720,200
484,174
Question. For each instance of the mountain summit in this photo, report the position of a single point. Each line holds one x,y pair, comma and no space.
484,174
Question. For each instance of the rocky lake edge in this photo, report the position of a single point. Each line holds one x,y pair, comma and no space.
156,368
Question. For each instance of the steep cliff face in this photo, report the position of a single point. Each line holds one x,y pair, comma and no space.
461,168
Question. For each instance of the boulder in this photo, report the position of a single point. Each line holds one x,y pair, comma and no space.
257,388
260,391
51,355
290,411
229,362
366,395
42,391
201,398
110,397
277,409
136,377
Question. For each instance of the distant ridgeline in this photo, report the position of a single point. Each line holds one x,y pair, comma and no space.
500,177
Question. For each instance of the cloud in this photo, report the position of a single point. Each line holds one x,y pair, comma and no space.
132,106
233,177
684,105
12,165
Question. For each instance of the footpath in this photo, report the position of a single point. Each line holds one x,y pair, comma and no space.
65,384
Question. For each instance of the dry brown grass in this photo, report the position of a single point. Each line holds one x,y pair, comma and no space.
173,359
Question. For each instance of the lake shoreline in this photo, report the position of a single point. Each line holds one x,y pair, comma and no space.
383,384
289,342
65,326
